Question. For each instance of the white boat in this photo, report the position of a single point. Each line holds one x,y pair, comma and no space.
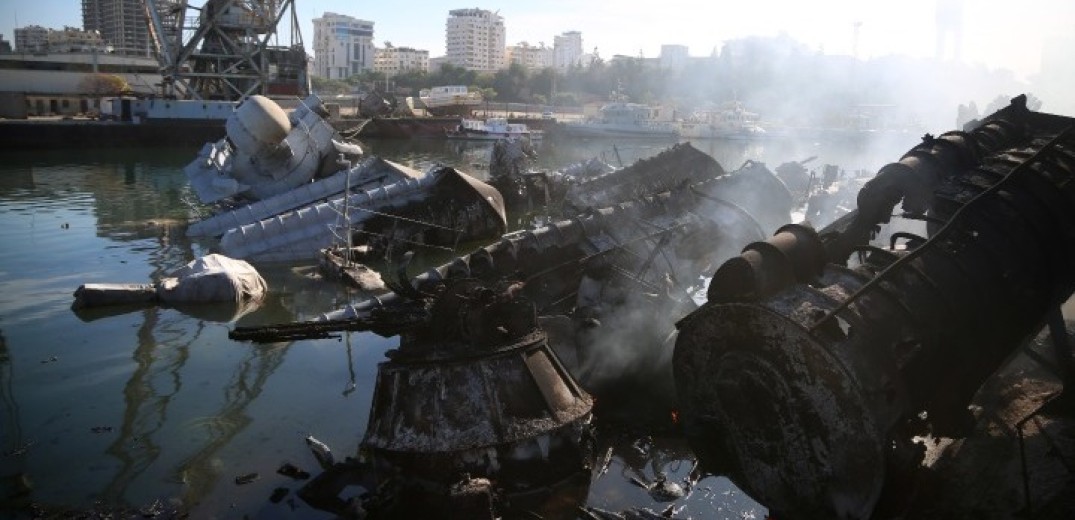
732,121
621,118
492,129
449,100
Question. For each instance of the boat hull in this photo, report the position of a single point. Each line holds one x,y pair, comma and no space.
599,130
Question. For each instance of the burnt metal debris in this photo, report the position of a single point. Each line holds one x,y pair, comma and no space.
609,283
474,390
805,380
671,234
596,185
478,391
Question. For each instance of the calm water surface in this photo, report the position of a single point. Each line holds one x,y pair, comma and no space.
129,407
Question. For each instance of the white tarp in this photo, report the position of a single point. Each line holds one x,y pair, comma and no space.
213,278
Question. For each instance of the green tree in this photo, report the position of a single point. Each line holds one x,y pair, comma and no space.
325,86
104,85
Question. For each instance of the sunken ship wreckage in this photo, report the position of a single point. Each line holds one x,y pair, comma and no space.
811,374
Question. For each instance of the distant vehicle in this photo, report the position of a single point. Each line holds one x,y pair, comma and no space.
547,115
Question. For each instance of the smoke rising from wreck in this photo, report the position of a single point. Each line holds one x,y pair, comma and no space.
926,66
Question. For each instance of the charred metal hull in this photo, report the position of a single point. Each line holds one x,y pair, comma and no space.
620,276
553,258
682,163
805,382
477,390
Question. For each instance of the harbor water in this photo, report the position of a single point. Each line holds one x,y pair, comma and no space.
155,409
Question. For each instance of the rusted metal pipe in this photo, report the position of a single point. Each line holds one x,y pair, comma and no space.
808,395
913,178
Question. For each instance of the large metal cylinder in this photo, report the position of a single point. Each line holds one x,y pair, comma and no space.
806,396
478,391
258,126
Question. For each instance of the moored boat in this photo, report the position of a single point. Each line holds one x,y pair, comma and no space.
622,118
492,129
732,121
449,100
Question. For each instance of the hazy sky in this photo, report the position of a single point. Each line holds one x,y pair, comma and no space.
995,32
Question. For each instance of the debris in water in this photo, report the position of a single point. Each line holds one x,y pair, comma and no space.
246,479
321,452
290,470
278,494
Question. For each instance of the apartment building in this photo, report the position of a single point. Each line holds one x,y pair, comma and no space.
530,56
567,49
393,60
343,46
73,39
121,23
475,39
32,38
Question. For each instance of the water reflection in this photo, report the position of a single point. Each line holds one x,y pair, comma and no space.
200,471
146,406
13,490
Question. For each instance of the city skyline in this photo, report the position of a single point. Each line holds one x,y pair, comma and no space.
993,33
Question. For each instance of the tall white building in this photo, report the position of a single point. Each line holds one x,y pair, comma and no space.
475,39
530,56
32,38
392,60
567,49
674,56
343,46
121,23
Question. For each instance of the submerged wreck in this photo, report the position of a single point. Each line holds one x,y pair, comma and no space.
591,277
594,184
299,193
472,414
268,152
808,375
493,342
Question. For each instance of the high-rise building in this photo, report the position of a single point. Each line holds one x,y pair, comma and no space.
5,46
530,56
567,49
121,23
949,25
475,39
392,60
32,38
343,46
673,56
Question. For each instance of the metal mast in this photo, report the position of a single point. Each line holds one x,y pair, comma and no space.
227,49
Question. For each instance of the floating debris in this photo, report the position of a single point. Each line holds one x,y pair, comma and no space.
246,479
290,470
278,494
321,452
209,279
